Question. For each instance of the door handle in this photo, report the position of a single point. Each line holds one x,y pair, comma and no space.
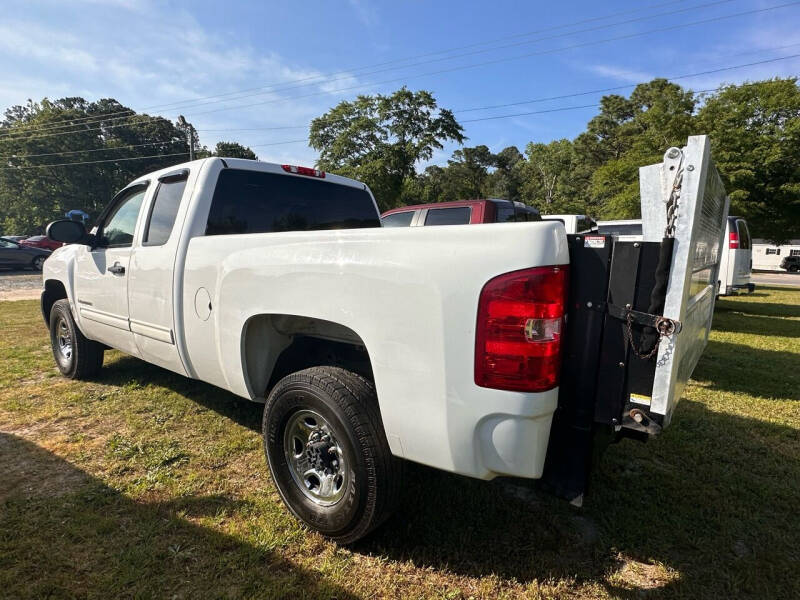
116,269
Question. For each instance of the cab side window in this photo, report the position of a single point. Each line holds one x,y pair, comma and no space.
163,212
457,215
120,223
398,219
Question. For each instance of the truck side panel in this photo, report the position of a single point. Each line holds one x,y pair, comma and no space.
411,295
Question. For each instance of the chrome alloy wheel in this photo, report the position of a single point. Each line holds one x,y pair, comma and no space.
64,339
315,458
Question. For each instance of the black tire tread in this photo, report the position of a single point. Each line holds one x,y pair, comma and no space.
355,396
87,354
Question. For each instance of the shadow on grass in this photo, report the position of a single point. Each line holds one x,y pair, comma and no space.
742,322
712,500
766,309
127,369
749,370
87,540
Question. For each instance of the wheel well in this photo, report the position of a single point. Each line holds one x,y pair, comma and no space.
276,345
54,290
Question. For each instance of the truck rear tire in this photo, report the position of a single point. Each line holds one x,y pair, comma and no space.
76,356
328,454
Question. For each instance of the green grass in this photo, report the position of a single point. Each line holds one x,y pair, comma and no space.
143,484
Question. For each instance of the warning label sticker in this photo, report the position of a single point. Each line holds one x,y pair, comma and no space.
640,399
594,241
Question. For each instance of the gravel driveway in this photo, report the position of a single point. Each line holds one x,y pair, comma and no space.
20,285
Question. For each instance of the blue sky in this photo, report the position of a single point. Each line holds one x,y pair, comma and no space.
175,55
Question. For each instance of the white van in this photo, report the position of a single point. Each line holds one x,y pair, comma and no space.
737,259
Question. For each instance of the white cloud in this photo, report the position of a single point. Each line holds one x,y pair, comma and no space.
365,12
621,73
155,66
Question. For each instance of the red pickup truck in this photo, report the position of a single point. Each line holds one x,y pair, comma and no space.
461,212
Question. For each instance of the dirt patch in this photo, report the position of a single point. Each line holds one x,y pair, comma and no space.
637,575
32,294
30,471
20,285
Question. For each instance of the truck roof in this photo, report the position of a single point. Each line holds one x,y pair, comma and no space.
249,165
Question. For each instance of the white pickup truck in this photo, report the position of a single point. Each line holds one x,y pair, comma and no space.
440,345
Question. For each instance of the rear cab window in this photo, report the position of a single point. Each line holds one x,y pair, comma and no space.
454,215
258,202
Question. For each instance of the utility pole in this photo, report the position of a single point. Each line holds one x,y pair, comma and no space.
189,134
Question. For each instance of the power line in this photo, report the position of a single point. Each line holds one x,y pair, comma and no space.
126,147
567,108
121,148
485,63
94,162
434,53
527,55
561,109
347,76
326,78
277,143
470,66
473,109
631,85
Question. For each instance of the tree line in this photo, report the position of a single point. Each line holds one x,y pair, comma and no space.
754,130
382,140
117,145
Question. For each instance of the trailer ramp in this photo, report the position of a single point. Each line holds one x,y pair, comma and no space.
698,228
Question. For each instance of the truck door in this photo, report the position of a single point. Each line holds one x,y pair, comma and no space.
152,287
101,278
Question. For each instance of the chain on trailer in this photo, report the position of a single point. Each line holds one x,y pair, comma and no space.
657,327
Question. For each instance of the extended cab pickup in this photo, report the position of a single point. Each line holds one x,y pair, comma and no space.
369,344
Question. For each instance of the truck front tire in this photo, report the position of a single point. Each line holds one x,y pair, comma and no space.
76,356
328,453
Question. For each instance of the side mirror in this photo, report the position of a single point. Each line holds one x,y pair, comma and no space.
68,232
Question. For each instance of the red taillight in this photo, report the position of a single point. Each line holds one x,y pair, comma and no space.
520,324
308,171
733,240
